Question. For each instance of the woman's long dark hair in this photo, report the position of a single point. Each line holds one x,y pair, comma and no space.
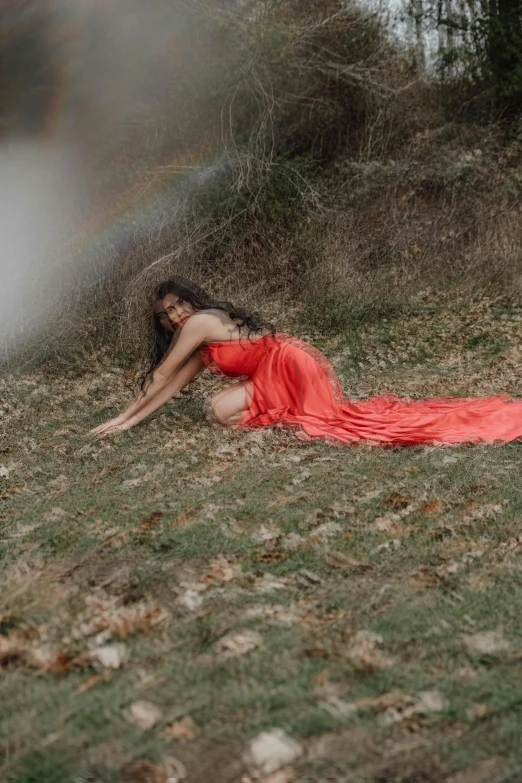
192,293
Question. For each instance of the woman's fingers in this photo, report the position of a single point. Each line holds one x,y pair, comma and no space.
106,426
102,429
108,431
99,430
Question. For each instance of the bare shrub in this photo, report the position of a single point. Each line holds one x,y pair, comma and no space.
331,181
444,215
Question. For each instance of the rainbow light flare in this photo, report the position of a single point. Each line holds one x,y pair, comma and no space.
70,107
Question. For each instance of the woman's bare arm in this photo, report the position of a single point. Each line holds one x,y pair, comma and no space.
181,350
140,410
140,400
185,374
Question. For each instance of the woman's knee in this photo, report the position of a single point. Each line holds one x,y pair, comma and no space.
227,406
209,411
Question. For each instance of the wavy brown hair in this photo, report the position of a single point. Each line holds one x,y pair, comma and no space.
188,291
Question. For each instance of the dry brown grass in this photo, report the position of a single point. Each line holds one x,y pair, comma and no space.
337,190
443,214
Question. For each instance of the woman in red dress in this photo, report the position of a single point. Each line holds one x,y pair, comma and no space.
286,382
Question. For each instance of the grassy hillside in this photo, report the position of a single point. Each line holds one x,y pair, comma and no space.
170,595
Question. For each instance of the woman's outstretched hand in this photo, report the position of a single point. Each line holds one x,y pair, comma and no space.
109,426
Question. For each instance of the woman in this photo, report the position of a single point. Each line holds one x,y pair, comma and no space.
289,383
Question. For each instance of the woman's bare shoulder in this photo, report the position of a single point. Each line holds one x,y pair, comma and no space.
208,324
210,316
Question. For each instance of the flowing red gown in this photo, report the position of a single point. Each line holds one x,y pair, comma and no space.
294,385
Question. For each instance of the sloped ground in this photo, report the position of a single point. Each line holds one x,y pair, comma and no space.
188,601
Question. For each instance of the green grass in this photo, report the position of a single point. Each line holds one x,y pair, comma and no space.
97,533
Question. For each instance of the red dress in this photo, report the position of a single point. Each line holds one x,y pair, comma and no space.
294,385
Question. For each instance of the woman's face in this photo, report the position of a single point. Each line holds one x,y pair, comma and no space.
171,310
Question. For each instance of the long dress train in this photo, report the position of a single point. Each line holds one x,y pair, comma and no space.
294,385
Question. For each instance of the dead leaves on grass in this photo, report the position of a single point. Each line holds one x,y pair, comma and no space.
106,616
10,492
221,570
362,649
28,650
303,613
471,553
392,707
103,618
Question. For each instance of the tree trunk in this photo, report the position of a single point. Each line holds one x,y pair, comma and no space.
418,15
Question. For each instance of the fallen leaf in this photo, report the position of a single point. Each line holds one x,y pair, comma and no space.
486,642
181,730
267,533
269,557
152,521
396,501
144,714
186,517
282,614
431,507
191,599
221,569
286,775
392,700
91,682
55,662
55,514
485,771
477,711
175,770
110,656
268,583
326,531
238,643
318,651
430,701
397,707
364,651
130,483
272,750
291,542
387,522
308,577
143,771
424,577
393,543
337,707
338,560
59,484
